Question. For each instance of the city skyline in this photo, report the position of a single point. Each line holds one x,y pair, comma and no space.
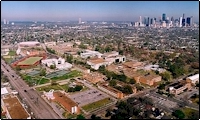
96,10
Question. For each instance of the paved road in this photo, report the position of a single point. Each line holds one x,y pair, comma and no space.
31,97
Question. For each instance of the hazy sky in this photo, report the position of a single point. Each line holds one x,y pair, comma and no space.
96,10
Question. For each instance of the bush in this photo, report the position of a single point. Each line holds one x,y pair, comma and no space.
179,114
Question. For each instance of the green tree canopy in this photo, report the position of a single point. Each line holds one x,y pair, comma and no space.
179,114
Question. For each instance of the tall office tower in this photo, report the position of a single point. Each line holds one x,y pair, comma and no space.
180,22
4,21
148,21
7,22
183,20
163,17
172,18
188,21
145,20
191,22
79,20
140,21
155,19
151,21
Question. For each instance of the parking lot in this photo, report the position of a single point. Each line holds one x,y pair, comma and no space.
88,96
162,101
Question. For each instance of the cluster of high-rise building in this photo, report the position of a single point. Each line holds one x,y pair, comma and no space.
164,21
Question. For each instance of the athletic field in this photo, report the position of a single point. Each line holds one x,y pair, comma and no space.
30,61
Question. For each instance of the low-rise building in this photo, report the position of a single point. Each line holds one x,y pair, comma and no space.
177,88
110,90
94,77
13,108
59,63
133,64
95,63
50,43
90,53
113,57
66,102
150,79
193,79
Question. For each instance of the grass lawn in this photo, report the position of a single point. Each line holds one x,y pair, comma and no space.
8,60
37,80
12,53
71,74
30,61
97,104
49,87
188,111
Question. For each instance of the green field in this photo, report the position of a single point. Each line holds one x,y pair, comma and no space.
49,87
34,80
30,61
97,104
190,113
12,53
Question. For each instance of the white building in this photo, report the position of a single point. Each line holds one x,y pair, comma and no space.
96,63
113,56
49,95
50,43
64,66
193,79
59,63
90,53
106,59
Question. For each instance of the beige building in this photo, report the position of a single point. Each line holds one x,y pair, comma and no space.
150,79
180,87
110,90
13,108
94,77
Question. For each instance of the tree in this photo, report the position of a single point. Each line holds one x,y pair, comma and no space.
108,113
112,83
179,114
42,72
82,46
132,81
127,89
80,116
18,68
69,58
52,66
166,76
78,87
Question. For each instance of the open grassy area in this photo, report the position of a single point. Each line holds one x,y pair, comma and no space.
35,80
30,61
97,104
12,53
8,60
188,112
49,87
71,74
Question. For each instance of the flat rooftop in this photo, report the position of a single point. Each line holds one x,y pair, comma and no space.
15,108
63,99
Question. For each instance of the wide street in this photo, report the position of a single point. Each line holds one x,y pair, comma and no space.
31,97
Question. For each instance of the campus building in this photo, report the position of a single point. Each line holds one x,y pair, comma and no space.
110,90
13,109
